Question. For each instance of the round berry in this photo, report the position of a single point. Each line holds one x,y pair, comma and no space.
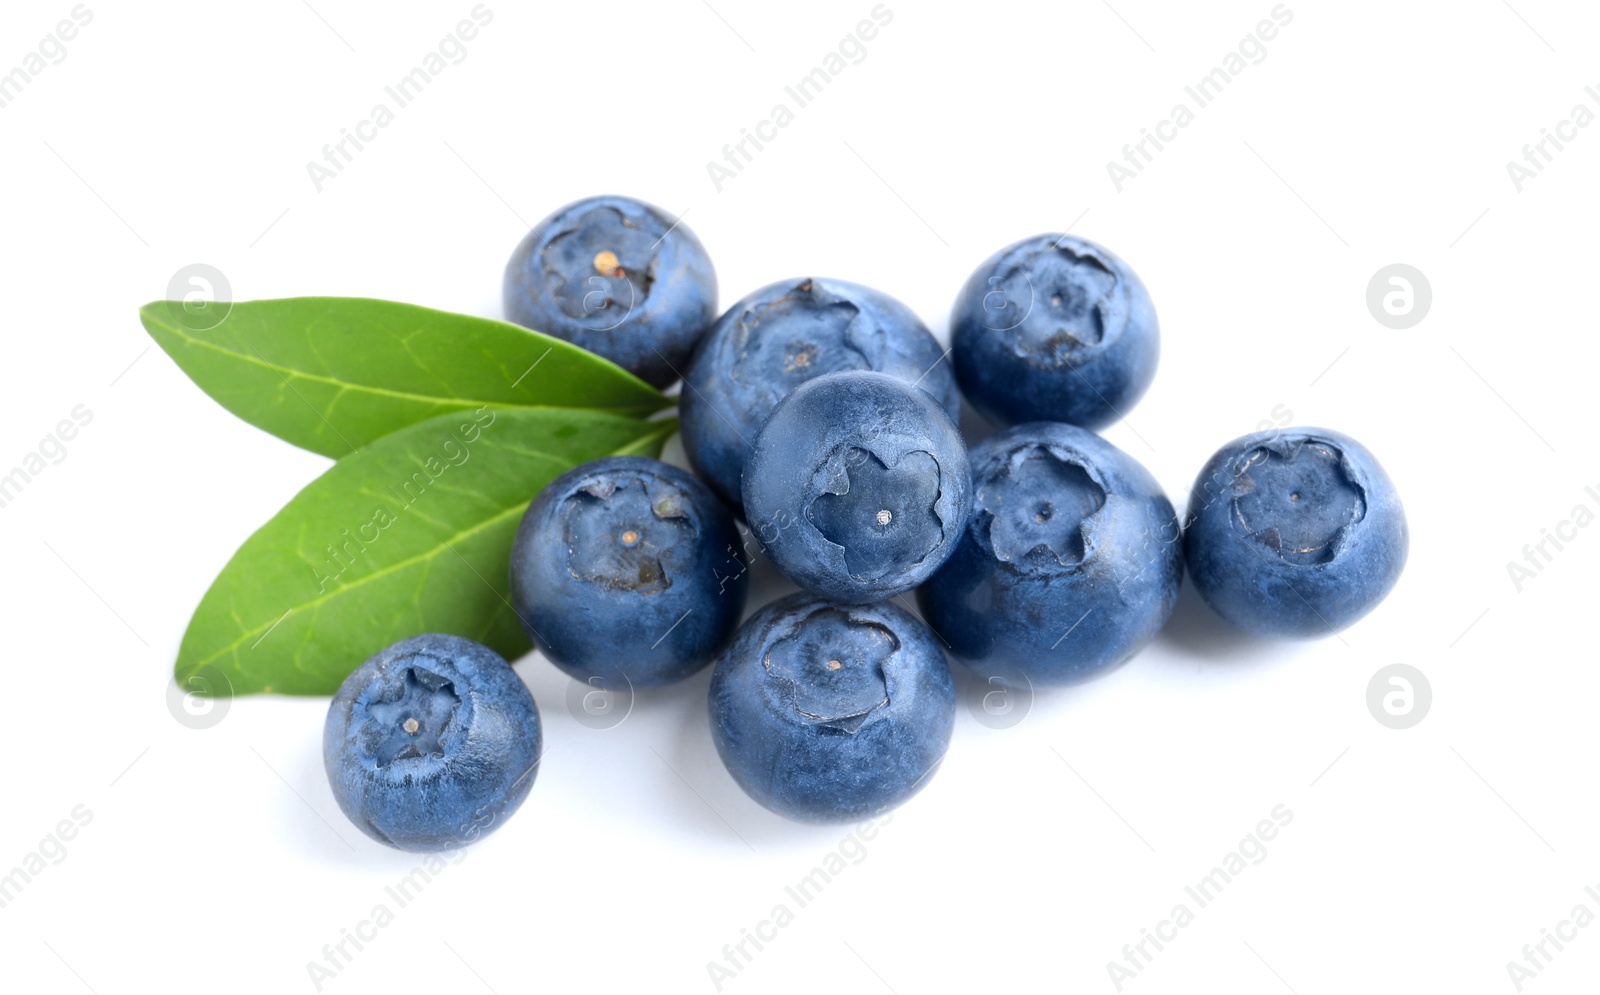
431,743
619,278
827,713
628,569
1069,565
858,486
1054,328
1294,532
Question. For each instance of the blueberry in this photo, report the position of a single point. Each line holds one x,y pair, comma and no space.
619,278
432,743
827,713
628,569
858,486
778,338
1068,566
1295,532
1054,328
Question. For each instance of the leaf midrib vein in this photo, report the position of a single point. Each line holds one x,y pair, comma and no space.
347,385
424,556
342,589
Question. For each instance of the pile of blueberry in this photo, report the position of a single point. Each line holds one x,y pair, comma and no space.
822,414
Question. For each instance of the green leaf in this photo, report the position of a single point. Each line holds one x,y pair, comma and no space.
407,535
331,374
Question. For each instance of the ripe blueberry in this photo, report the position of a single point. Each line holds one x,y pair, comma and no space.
778,338
628,569
1054,328
431,743
619,278
827,713
1068,566
858,486
1294,532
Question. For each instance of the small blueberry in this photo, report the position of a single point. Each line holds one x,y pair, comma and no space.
1069,565
1054,328
831,713
1294,532
619,278
431,743
858,486
628,569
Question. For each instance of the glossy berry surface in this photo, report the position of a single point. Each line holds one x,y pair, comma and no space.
630,570
1294,533
782,336
431,743
829,713
858,486
1069,565
619,278
1054,328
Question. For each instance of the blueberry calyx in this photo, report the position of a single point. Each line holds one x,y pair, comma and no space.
821,339
409,716
831,667
897,504
1068,312
1041,506
616,532
598,266
1299,500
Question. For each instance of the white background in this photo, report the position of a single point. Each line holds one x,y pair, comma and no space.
1373,133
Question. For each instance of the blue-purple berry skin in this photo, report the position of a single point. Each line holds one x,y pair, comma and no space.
618,277
431,743
1070,563
1054,328
825,712
1294,533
